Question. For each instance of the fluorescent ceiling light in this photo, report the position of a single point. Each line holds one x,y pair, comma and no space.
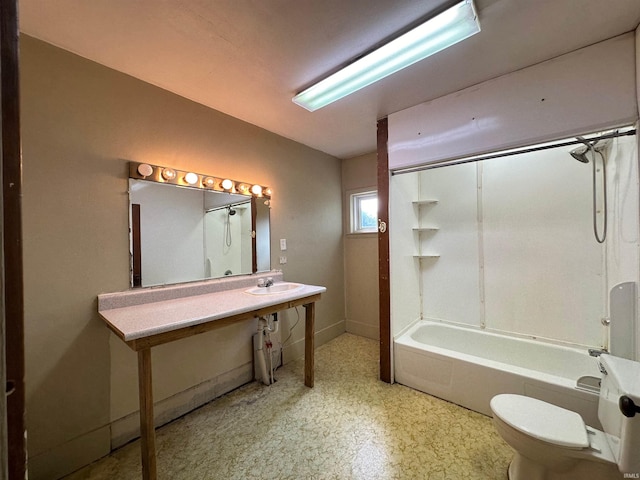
436,34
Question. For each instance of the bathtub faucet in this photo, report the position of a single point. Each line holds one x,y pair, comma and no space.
596,352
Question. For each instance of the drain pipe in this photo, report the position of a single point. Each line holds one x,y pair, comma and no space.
270,353
276,324
270,330
262,322
264,339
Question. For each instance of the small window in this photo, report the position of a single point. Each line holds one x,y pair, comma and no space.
364,212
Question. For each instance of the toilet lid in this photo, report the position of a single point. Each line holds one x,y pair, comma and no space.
541,420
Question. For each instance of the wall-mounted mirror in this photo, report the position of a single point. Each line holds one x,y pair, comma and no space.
182,234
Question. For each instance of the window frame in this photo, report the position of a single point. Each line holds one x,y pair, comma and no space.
355,211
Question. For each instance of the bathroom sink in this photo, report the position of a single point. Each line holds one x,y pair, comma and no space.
281,287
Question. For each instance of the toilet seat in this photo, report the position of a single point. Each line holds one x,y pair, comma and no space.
541,420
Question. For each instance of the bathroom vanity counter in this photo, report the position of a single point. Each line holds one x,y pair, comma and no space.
151,324
145,318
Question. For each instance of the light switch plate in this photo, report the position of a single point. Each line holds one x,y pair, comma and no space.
283,244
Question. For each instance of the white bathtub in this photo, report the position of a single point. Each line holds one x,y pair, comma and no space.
468,367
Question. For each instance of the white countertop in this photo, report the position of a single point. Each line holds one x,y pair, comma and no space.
139,321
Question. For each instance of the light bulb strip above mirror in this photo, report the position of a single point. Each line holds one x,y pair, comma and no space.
159,174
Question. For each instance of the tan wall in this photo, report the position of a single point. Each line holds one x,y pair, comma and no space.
82,123
360,253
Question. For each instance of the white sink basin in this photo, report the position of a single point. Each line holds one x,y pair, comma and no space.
282,287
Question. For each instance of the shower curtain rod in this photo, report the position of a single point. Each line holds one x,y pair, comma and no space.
447,163
237,204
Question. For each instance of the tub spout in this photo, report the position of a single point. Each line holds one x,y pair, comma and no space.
596,352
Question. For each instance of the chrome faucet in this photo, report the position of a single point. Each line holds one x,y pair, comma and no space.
265,283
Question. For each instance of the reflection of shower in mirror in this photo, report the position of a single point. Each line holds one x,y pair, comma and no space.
228,240
227,226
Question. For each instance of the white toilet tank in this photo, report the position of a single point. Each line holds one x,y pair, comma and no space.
620,391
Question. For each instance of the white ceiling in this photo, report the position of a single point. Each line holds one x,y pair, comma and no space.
248,58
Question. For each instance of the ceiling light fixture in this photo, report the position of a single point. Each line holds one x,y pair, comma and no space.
436,34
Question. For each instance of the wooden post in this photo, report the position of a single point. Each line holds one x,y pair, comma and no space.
383,251
309,331
147,430
13,448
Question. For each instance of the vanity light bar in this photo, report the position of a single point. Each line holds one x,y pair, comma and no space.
156,173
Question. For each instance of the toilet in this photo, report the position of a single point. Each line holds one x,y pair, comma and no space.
553,443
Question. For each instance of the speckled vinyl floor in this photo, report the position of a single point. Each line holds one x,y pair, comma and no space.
349,426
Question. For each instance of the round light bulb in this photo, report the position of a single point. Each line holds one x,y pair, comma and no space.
256,190
209,182
191,178
168,174
145,169
227,184
267,192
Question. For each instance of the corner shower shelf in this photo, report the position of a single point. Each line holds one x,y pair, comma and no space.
425,230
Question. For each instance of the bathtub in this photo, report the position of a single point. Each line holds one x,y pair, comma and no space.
468,367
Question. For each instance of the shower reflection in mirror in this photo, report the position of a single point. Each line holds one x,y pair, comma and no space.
227,233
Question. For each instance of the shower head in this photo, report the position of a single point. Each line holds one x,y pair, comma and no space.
580,154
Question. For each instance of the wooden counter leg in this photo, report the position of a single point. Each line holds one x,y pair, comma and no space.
309,331
147,430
